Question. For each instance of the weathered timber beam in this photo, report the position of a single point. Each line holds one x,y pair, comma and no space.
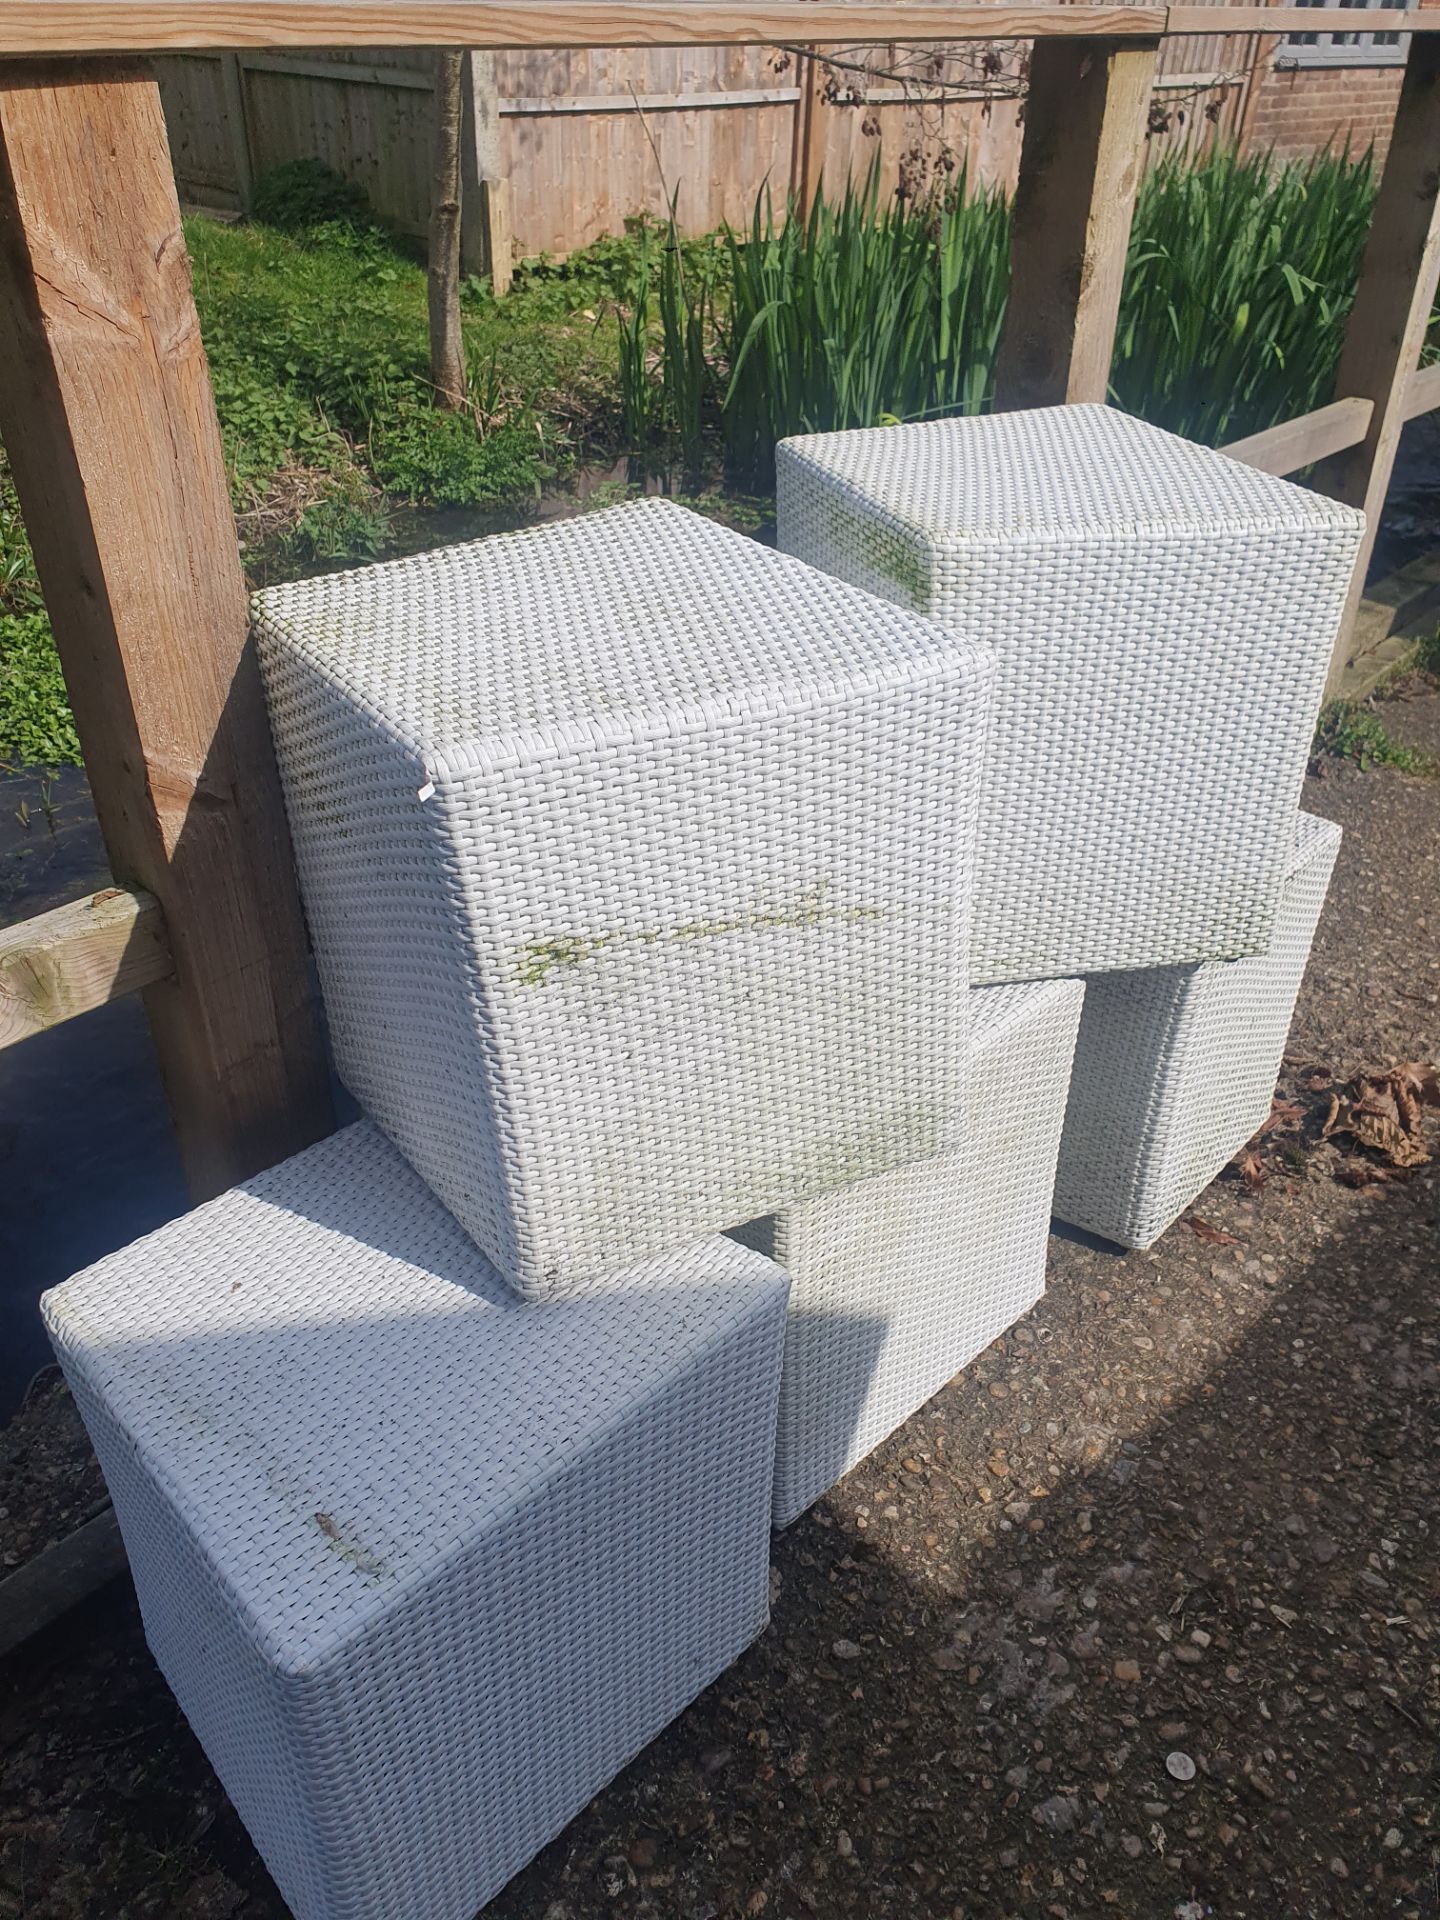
65,962
109,424
1080,165
1309,437
1422,391
1390,314
69,26
59,1578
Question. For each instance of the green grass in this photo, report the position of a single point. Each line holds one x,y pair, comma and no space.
318,349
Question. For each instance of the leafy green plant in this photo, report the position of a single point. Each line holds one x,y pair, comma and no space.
440,460
307,193
339,527
1427,654
35,723
1350,730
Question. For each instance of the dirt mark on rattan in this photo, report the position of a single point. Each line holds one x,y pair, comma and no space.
539,959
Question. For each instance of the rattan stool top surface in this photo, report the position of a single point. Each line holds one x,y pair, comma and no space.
587,626
1054,473
338,1392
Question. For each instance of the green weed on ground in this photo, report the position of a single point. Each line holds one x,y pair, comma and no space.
1353,730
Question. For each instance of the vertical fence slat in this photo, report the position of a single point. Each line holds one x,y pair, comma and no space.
807,150
485,240
109,423
232,81
1080,166
1388,321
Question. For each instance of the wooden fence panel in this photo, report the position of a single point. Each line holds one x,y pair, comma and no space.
580,153
1189,65
199,126
590,136
376,134
576,175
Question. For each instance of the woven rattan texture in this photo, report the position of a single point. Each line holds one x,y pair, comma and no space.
425,1564
1164,619
674,938
1174,1069
900,1282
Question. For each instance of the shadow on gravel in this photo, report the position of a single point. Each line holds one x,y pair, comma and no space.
1140,1527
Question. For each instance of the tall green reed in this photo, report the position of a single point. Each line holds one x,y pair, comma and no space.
866,311
667,387
1239,278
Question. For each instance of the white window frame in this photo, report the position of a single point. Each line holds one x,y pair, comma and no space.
1358,49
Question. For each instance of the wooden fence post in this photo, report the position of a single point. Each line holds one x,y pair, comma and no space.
1081,160
232,83
1391,313
807,139
109,422
486,243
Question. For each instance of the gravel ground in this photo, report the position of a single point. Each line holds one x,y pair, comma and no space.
1137,1617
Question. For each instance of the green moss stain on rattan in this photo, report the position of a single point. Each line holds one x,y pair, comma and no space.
540,959
906,1135
895,561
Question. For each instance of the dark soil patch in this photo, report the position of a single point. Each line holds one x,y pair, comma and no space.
1137,1617
50,1481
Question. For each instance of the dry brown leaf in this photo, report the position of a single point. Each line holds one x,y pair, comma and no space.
1412,1116
1388,1137
1355,1172
1372,1094
1285,1116
1251,1169
1213,1236
1384,1111
1420,1080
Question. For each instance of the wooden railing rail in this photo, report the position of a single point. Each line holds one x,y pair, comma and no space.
171,26
58,964
109,424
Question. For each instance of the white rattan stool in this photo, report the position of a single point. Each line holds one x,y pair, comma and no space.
1163,617
900,1282
636,859
1174,1069
425,1564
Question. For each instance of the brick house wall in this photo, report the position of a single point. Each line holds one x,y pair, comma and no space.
1297,109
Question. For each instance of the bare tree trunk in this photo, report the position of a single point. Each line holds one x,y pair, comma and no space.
447,356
